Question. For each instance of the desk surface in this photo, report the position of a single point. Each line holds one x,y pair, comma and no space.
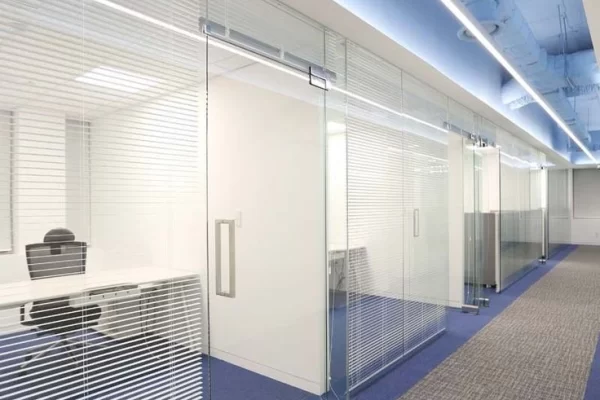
17,293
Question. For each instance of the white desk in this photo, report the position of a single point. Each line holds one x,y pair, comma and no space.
23,292
79,288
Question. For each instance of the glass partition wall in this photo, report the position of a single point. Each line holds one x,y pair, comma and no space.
100,293
559,223
522,210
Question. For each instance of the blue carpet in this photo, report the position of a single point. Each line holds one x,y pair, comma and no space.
461,327
592,391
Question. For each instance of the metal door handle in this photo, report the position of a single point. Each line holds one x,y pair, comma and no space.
416,223
218,257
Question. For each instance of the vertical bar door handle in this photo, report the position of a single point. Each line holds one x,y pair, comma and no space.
416,222
219,257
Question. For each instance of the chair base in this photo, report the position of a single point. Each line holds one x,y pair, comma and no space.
69,345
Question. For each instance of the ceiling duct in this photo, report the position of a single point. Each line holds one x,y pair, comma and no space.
546,73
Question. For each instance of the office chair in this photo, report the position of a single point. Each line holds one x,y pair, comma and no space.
59,255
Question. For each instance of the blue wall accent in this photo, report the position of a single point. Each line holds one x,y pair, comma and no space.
428,30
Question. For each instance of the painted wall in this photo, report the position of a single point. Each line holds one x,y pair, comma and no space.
428,30
585,231
147,186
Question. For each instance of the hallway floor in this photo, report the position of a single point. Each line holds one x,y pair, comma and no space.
541,347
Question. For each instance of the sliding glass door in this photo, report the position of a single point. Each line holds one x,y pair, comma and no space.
267,256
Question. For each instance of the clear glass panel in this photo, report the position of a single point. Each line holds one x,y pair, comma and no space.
464,159
535,227
472,273
397,286
375,217
480,222
559,225
426,271
487,206
104,101
521,210
266,150
337,221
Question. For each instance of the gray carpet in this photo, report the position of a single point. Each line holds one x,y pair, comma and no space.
539,348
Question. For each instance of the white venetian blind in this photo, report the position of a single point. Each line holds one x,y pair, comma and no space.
396,294
5,181
101,295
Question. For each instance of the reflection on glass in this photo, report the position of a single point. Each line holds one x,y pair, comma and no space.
559,225
521,212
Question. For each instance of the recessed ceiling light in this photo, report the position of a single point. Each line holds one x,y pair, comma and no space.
116,79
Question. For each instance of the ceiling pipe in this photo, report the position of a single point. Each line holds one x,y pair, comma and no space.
544,72
583,78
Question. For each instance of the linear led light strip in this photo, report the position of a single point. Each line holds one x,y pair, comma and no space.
474,27
252,57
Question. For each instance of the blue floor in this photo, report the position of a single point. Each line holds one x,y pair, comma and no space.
229,382
592,391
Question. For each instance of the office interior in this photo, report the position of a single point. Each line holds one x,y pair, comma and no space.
228,200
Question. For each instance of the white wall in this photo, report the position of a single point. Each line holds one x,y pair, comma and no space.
147,185
585,231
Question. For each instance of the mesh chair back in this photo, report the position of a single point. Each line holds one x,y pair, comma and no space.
49,260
